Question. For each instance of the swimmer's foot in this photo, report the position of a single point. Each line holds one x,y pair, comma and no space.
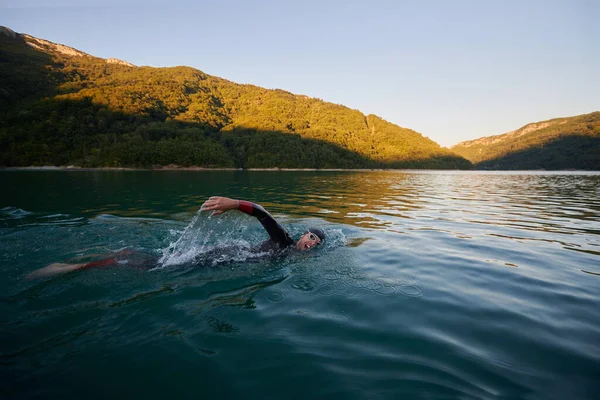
53,269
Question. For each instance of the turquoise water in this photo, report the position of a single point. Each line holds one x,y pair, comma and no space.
430,285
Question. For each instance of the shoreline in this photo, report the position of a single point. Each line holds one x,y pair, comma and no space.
276,169
177,168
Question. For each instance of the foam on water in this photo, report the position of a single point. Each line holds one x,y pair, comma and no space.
13,212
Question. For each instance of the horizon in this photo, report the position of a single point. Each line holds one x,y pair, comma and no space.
567,86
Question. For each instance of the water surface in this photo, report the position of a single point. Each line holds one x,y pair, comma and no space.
430,285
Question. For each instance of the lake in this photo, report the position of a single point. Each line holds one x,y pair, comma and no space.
429,285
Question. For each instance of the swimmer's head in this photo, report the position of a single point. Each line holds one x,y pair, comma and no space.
312,238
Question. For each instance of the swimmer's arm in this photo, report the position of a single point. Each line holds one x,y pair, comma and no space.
219,205
222,204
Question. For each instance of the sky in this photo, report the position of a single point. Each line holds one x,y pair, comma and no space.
450,70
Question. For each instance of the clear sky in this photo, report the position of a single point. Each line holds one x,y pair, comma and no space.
452,70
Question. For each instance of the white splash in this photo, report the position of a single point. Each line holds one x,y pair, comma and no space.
215,238
186,247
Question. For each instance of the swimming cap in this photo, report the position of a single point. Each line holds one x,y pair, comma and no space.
317,231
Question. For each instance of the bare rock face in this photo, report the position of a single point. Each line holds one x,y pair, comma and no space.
45,45
51,47
117,61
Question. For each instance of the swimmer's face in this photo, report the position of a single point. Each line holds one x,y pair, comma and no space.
307,241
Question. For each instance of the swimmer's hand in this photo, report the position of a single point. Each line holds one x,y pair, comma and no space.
219,205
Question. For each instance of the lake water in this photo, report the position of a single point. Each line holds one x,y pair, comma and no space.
430,285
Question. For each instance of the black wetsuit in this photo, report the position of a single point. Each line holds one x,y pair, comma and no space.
279,238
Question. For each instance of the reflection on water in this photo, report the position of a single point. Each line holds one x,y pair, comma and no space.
430,285
376,199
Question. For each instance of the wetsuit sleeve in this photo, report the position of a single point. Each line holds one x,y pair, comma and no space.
276,232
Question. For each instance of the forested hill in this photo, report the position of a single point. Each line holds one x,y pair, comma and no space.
60,106
561,143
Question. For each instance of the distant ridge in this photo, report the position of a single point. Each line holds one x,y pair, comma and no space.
560,143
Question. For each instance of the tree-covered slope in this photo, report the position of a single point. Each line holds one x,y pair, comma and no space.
61,106
561,143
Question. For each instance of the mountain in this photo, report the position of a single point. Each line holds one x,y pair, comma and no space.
561,143
61,106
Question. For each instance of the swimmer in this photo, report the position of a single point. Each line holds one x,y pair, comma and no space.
279,240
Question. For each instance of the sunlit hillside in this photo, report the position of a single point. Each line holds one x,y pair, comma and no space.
60,106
